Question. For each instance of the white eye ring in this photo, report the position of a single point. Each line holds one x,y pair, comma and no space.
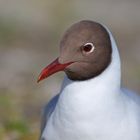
88,48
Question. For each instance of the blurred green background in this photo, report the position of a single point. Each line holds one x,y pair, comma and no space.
29,39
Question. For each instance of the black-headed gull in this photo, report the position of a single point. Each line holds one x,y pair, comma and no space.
91,105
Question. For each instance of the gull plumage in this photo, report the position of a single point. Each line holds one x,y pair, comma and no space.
94,109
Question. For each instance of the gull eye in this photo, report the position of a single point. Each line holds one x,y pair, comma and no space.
88,48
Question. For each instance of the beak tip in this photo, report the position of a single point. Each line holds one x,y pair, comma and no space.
39,79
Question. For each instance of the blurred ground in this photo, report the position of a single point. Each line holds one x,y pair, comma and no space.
29,39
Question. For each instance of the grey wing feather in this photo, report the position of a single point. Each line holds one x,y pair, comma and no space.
47,111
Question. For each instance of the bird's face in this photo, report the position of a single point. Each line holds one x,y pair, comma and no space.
85,51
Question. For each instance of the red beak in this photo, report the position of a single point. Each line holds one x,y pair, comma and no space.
52,68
